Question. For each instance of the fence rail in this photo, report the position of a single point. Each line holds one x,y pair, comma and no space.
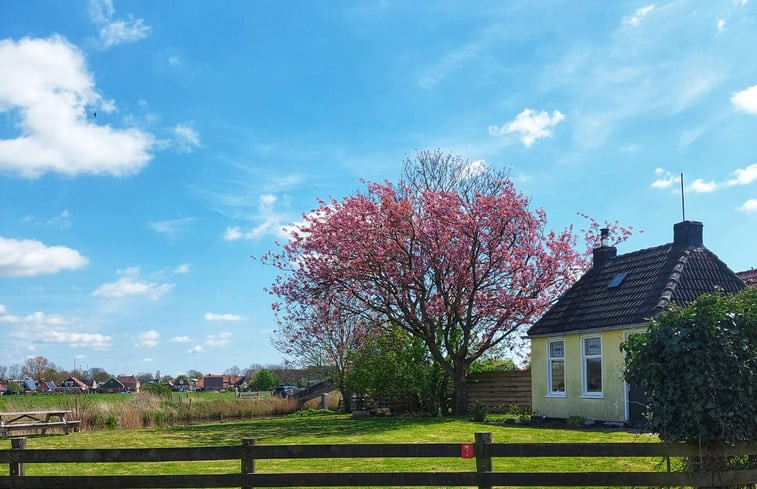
249,452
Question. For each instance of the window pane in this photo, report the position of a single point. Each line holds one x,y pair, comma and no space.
556,349
593,374
557,369
592,346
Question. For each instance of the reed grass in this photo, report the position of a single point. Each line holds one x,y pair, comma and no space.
147,410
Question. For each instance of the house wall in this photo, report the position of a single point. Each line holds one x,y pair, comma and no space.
611,406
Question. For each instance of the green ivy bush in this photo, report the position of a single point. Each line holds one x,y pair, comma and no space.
699,366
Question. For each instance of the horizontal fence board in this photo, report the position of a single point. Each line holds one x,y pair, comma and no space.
361,450
582,479
543,479
612,450
86,455
364,479
367,450
123,481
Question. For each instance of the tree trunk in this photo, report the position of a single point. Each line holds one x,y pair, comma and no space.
460,406
346,395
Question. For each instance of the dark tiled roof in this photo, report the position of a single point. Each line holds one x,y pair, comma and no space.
654,278
748,276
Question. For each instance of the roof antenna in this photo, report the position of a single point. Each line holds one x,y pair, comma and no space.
683,202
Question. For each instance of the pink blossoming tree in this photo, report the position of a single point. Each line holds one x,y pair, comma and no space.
453,254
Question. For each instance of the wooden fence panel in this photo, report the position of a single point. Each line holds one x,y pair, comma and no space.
500,390
483,450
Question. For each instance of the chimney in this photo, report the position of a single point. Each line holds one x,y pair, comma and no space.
605,252
687,235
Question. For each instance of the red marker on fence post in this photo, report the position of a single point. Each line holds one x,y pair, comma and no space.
466,450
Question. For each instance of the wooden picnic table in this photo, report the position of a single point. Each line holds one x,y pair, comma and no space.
36,421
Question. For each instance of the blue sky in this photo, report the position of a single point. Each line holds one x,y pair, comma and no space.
148,149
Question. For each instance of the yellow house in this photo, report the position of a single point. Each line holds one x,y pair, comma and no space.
576,362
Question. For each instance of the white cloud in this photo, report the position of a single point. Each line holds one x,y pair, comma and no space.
180,339
474,168
182,269
271,222
3,309
749,206
46,82
741,176
215,341
744,176
530,125
41,328
147,360
185,138
721,25
172,227
209,316
233,234
115,31
665,179
27,258
196,349
700,186
130,285
148,339
746,100
638,16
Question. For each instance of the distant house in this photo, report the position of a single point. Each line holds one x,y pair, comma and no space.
46,386
749,277
111,386
576,362
220,382
130,383
184,385
29,385
3,387
72,385
213,382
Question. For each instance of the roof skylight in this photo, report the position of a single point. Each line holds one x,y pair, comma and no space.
616,280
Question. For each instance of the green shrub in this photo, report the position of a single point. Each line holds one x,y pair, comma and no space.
478,412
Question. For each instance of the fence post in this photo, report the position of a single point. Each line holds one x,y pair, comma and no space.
248,461
17,469
483,459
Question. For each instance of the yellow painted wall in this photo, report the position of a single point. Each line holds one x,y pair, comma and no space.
610,407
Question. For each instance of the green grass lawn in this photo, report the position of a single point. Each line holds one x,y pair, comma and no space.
337,429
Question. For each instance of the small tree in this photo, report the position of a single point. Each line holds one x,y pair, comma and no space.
699,366
395,369
35,367
264,380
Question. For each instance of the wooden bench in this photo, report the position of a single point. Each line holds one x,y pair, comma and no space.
36,421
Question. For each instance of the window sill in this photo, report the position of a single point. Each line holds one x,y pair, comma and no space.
592,396
556,395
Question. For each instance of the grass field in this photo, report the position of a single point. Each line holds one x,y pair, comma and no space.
337,429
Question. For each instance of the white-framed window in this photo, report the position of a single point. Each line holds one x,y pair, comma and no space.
591,360
556,368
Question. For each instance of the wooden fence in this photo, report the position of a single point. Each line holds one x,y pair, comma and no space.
248,453
500,390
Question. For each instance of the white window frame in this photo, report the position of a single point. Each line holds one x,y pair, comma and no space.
550,359
584,375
